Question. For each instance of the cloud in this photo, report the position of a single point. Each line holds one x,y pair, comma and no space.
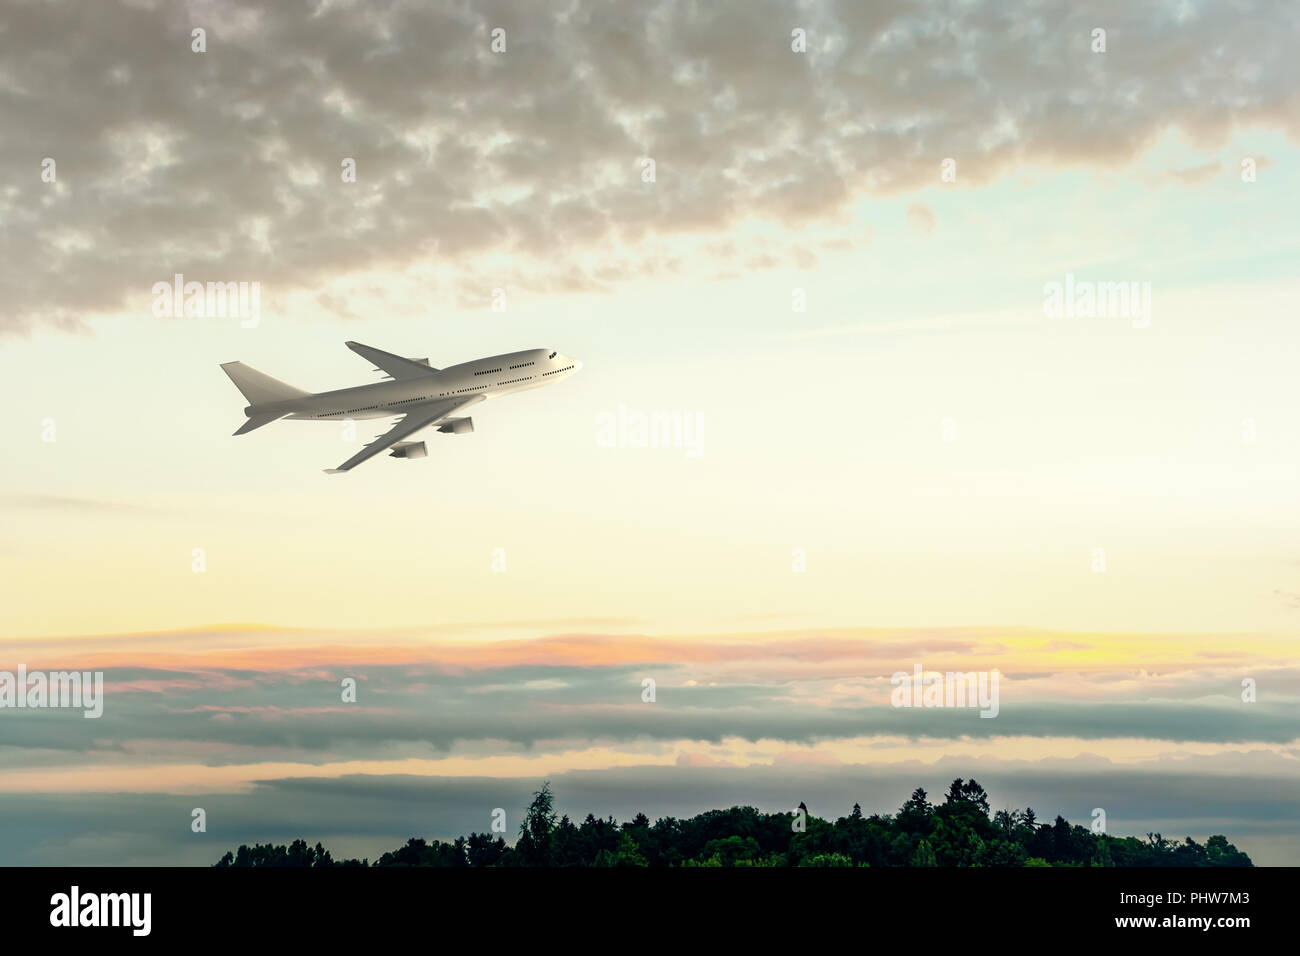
570,692
225,165
1195,175
69,504
1289,598
922,217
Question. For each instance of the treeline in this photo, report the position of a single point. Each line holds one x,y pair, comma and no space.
960,831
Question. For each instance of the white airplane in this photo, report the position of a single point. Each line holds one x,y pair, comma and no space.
424,396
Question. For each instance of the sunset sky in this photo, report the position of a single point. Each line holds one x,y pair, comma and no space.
918,467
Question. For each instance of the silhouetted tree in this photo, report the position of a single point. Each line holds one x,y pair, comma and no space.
534,844
482,850
959,832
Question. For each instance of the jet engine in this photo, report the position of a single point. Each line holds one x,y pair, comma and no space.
409,449
457,426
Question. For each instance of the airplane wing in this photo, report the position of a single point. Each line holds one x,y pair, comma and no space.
396,366
416,417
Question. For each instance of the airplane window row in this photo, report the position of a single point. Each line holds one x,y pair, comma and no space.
472,388
368,408
487,371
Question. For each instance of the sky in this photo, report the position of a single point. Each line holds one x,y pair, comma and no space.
838,279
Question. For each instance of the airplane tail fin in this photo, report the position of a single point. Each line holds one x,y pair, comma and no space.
259,388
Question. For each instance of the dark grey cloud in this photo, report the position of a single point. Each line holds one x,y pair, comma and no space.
241,716
225,165
364,815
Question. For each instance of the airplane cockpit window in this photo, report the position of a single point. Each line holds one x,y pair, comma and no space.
551,356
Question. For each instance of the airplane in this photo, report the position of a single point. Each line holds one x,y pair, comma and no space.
423,395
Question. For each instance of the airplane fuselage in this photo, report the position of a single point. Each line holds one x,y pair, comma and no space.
490,377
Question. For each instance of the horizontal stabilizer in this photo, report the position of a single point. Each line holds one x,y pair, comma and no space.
257,421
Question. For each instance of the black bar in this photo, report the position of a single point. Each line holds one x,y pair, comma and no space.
936,905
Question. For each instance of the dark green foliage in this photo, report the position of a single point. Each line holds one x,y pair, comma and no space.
958,832
296,854
482,850
418,853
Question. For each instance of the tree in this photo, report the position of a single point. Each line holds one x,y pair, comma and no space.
1003,853
914,815
959,832
1006,821
1101,854
296,854
826,859
731,849
482,850
1219,852
924,855
534,844
627,854
955,843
